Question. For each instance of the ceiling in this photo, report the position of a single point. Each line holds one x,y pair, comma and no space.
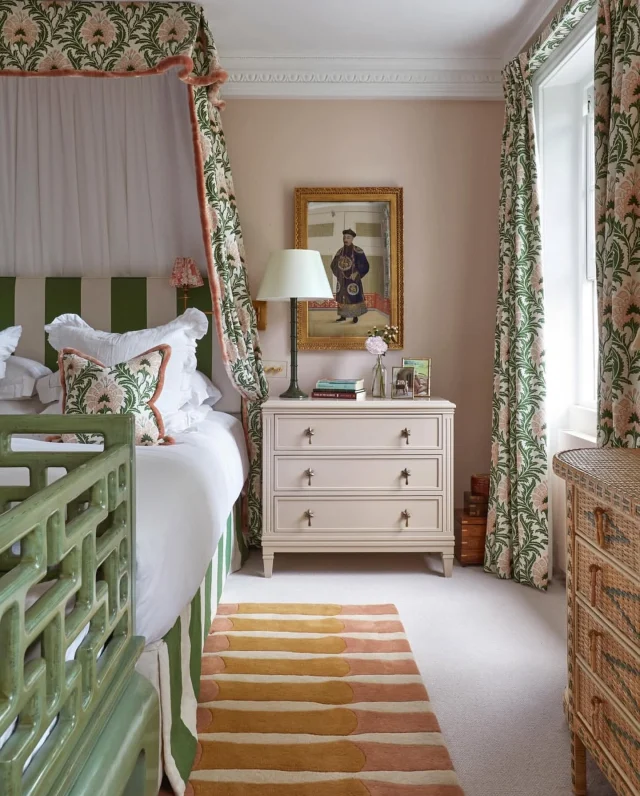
370,48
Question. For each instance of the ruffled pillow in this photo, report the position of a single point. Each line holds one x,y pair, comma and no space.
181,334
133,387
8,343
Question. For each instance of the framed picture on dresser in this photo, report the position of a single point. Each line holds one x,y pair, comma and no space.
422,376
358,232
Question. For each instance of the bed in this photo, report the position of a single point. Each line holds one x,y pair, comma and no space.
188,530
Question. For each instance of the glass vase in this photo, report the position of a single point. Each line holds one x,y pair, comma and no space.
379,381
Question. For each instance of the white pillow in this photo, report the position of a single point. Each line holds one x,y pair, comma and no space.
49,388
31,406
70,331
8,343
203,391
20,378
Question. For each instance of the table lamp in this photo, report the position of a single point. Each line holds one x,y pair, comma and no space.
294,274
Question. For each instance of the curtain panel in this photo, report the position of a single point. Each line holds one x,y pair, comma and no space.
132,39
617,136
517,543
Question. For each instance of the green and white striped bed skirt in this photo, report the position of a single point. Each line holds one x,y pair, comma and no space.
173,665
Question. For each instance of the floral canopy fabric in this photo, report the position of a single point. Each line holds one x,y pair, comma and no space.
48,38
517,543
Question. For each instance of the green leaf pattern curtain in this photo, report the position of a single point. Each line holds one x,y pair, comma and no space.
517,529
132,39
617,118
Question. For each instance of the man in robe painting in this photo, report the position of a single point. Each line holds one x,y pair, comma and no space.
349,266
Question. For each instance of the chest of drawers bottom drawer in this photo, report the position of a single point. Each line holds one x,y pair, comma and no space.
613,733
361,515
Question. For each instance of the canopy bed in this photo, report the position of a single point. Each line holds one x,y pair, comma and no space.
104,183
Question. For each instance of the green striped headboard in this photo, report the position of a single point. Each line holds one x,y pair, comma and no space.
120,304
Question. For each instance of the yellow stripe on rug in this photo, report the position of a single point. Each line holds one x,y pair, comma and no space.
346,722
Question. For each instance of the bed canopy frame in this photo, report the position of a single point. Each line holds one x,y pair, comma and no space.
63,38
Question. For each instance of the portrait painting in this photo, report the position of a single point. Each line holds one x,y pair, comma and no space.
402,382
358,232
422,376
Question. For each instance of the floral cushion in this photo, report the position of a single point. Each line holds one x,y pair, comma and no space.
133,387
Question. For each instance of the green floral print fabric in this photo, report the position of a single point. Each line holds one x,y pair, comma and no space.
517,543
617,137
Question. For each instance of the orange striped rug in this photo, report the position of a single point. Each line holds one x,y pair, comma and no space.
315,700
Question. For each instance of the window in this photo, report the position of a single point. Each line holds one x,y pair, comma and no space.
588,309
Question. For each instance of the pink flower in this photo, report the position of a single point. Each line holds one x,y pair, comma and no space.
538,425
626,303
174,28
627,197
104,394
98,30
376,346
231,352
131,61
537,352
53,61
539,497
540,571
504,490
503,418
221,179
19,28
630,87
205,147
495,453
213,217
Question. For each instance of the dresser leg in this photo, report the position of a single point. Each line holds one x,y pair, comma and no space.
578,766
447,564
267,561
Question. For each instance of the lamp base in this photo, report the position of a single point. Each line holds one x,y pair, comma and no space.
294,393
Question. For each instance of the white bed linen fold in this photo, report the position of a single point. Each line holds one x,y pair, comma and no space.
184,495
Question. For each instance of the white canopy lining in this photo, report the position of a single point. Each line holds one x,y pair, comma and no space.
97,177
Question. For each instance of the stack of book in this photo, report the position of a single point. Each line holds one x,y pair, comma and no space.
471,522
342,389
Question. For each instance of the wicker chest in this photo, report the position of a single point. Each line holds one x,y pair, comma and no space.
603,593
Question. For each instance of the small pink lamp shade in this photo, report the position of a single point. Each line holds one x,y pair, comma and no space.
185,273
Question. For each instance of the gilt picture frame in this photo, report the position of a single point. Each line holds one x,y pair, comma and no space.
359,234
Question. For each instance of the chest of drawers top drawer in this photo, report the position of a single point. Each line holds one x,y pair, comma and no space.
614,532
353,431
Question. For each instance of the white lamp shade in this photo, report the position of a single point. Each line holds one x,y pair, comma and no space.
295,273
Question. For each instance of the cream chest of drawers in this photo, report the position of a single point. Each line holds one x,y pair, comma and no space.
603,595
358,476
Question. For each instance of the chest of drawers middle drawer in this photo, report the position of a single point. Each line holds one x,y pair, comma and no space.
311,473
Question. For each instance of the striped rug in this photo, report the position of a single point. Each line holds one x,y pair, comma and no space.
315,700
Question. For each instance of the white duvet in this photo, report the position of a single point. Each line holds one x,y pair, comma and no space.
184,495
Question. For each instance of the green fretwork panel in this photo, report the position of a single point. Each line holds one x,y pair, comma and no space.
66,577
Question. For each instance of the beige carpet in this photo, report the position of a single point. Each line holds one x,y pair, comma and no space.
491,652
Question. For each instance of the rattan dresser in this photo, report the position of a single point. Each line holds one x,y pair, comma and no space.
603,590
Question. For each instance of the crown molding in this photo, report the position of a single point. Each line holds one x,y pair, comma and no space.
362,78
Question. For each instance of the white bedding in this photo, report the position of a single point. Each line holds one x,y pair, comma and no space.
185,493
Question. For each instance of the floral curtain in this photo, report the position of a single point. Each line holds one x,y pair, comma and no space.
517,527
617,118
131,39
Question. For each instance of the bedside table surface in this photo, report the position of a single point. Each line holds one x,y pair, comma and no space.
309,404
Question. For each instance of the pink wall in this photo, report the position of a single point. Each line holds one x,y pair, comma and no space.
446,157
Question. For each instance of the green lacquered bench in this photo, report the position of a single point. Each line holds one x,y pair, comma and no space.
73,722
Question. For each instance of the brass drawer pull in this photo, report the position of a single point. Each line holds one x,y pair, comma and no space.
594,639
595,570
406,433
309,473
309,432
406,516
309,515
405,474
596,717
600,515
